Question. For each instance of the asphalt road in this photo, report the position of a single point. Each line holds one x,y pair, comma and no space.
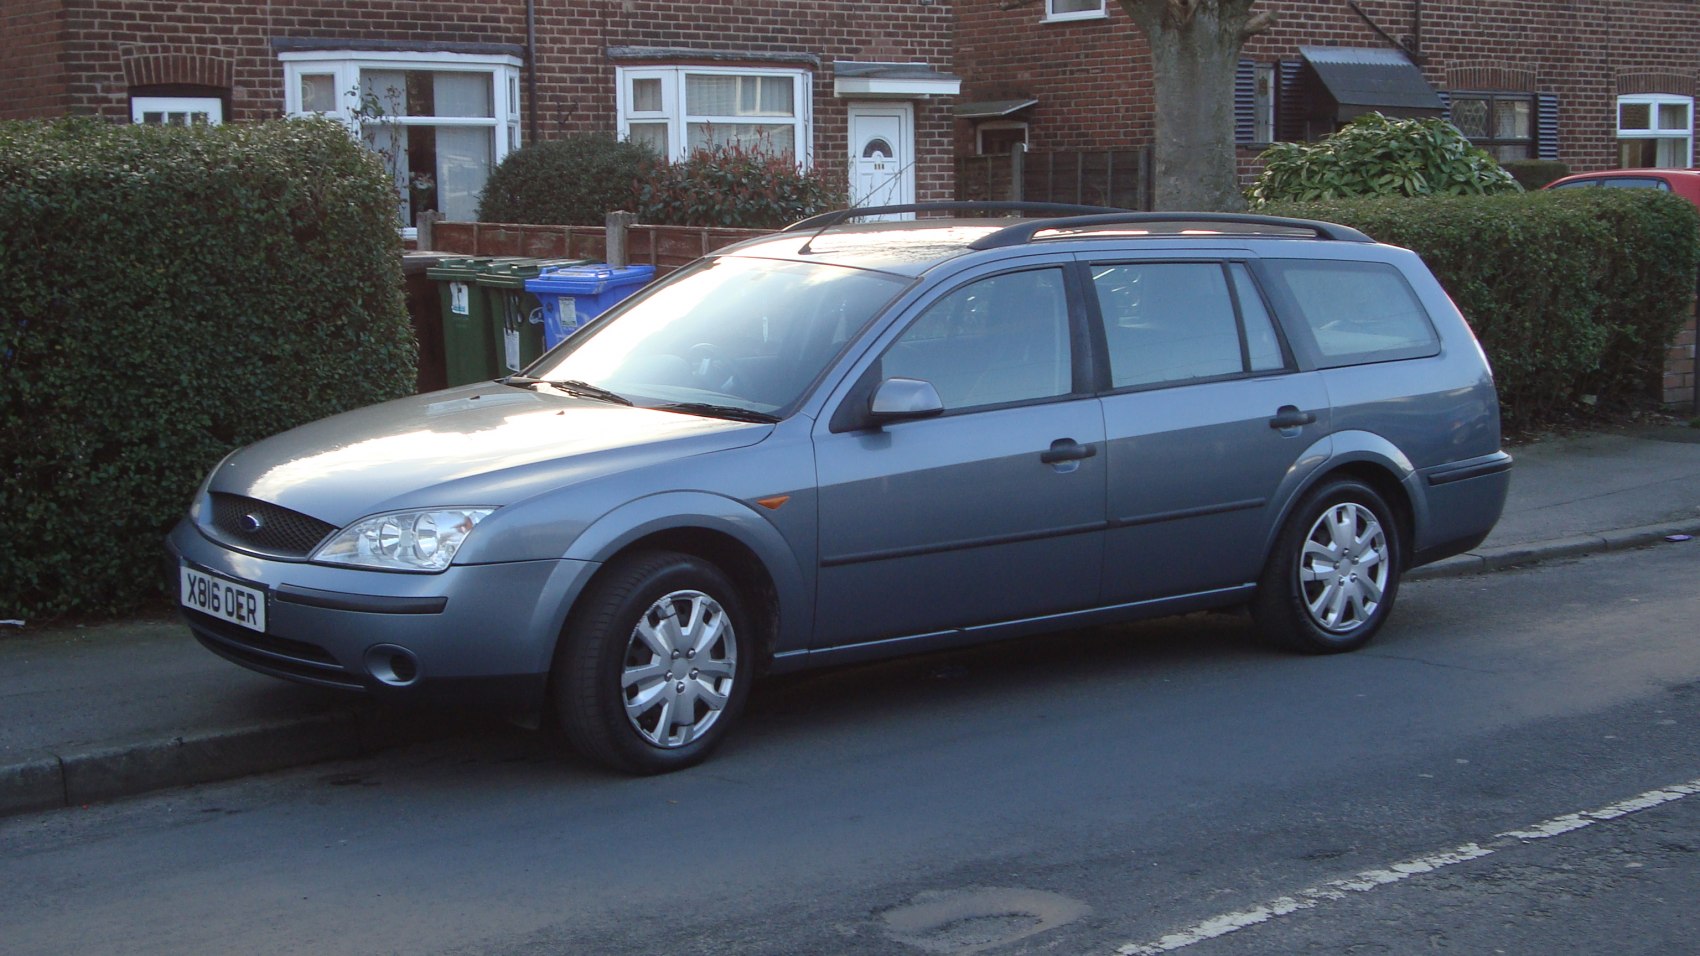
1163,788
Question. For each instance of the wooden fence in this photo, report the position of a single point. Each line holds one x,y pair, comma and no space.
664,247
1120,178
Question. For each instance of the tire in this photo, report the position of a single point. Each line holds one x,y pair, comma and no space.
655,664
1303,602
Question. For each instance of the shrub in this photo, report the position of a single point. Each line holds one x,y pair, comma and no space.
171,293
734,186
1532,174
1377,156
575,181
1572,292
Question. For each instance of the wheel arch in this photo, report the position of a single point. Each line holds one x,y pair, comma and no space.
722,531
1368,458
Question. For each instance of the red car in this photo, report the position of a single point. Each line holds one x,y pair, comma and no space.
1683,182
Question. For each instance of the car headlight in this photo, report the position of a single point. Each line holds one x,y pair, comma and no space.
403,540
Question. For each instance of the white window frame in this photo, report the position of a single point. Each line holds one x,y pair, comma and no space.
673,105
1653,101
211,106
1052,16
346,67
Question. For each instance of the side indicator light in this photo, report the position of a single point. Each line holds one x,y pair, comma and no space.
773,503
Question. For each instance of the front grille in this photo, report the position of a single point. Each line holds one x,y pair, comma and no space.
265,527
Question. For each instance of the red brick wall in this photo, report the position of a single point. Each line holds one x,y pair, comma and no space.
32,71
1090,76
108,45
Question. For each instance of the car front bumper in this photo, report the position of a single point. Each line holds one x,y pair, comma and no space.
473,631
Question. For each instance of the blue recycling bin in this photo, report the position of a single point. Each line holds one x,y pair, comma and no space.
573,295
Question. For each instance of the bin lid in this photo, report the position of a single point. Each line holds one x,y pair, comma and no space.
512,274
589,279
465,267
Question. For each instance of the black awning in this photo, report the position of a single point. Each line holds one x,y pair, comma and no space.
1362,80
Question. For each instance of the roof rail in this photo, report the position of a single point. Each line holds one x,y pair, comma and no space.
1023,232
827,220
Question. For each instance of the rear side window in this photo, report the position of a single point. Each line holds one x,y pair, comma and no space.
1172,322
1357,312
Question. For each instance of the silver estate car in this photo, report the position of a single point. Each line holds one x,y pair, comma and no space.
849,440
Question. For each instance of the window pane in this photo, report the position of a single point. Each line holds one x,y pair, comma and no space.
724,95
646,95
1511,119
1673,116
383,92
1471,117
653,135
1638,153
999,340
1358,311
1076,6
463,161
424,93
1262,347
463,94
1634,116
1167,322
318,93
776,139
711,95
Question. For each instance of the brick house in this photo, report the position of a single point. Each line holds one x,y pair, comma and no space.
1592,83
863,88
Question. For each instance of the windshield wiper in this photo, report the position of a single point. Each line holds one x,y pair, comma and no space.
570,386
573,386
732,412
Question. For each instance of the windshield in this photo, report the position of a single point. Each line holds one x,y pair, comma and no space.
748,334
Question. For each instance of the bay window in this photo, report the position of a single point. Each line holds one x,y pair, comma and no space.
439,121
675,110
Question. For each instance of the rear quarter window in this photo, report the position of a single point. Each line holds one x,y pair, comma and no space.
1356,312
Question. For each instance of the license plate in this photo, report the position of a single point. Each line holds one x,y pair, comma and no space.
223,598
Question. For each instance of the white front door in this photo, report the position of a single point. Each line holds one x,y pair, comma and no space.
882,154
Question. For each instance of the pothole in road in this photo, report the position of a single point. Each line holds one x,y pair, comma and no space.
959,922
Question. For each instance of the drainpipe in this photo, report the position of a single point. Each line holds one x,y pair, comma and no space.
531,71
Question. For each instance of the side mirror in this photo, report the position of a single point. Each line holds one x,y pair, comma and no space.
903,399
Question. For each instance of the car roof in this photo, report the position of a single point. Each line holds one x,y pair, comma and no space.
913,246
1667,174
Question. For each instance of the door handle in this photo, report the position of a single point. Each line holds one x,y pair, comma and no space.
1067,449
1289,416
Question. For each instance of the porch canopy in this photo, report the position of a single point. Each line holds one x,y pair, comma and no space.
1360,80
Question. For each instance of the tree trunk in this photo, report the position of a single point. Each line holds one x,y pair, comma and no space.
1195,49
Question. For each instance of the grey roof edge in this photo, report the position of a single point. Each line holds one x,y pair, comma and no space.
659,54
340,44
891,71
992,109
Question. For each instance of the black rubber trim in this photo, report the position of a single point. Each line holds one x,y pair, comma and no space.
1227,507
916,551
368,603
1474,468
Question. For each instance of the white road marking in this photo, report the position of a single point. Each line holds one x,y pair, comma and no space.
1373,879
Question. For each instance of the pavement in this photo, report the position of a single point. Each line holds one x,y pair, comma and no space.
96,712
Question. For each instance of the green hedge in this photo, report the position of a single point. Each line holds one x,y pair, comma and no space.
735,186
172,293
574,181
1573,293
